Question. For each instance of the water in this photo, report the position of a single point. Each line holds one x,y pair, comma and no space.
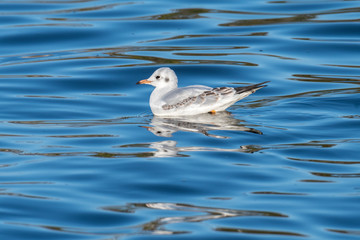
82,157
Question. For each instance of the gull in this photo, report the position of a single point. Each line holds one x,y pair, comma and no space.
169,100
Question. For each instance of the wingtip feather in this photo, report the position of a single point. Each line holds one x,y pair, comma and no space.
253,88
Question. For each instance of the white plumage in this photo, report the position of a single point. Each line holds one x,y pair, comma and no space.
169,100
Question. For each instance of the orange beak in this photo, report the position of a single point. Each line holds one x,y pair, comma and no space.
145,81
147,127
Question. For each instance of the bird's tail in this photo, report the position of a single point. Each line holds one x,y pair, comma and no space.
250,89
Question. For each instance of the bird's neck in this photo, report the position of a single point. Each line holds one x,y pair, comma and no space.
158,93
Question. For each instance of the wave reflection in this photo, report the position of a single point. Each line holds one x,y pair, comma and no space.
160,220
158,225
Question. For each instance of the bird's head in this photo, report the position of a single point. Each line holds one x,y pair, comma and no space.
162,77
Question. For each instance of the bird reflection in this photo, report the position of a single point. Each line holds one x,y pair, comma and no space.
202,123
169,149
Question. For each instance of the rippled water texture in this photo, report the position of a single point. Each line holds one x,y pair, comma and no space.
82,156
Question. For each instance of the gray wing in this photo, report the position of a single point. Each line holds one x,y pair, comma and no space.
195,96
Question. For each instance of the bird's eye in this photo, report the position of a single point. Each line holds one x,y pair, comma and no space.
157,77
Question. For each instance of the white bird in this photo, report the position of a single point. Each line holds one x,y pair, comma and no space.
169,100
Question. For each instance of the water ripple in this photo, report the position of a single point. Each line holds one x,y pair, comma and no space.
81,155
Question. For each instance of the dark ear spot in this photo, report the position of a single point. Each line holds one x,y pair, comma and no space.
166,79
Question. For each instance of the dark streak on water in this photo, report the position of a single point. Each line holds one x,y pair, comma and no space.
82,157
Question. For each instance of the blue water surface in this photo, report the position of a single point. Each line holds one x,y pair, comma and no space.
83,157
